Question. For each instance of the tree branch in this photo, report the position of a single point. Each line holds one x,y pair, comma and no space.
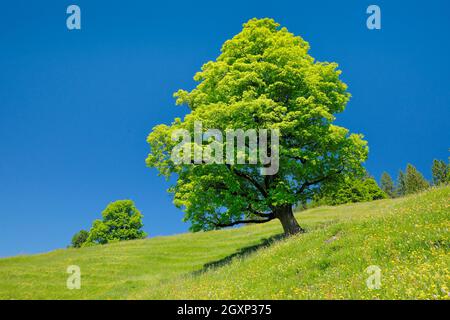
248,178
223,225
220,186
260,214
315,181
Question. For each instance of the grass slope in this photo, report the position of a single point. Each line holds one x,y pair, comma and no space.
407,238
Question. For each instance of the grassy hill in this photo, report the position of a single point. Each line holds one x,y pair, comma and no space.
407,238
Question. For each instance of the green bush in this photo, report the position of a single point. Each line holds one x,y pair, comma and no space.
121,221
79,238
350,190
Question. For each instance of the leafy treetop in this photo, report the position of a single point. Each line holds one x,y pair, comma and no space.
121,221
264,78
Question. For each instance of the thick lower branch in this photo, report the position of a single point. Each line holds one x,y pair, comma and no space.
223,225
258,213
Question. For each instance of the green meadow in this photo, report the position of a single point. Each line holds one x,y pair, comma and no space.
406,238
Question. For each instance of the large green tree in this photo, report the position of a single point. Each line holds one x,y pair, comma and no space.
264,78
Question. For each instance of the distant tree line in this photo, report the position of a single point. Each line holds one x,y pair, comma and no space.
412,181
365,188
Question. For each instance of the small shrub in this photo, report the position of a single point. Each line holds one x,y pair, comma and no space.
79,238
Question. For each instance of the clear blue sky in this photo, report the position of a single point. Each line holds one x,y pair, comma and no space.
76,106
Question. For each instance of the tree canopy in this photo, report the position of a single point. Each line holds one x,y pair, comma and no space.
121,220
264,78
349,190
414,180
387,185
79,238
401,187
439,172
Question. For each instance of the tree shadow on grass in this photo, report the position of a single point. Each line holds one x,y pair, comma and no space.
242,252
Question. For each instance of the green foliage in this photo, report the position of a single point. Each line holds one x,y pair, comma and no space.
414,180
448,170
401,184
264,78
439,172
79,238
121,221
350,190
387,185
373,190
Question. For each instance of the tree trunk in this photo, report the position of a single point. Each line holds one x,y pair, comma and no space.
287,219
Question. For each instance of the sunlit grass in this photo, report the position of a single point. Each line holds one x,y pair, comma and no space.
407,238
